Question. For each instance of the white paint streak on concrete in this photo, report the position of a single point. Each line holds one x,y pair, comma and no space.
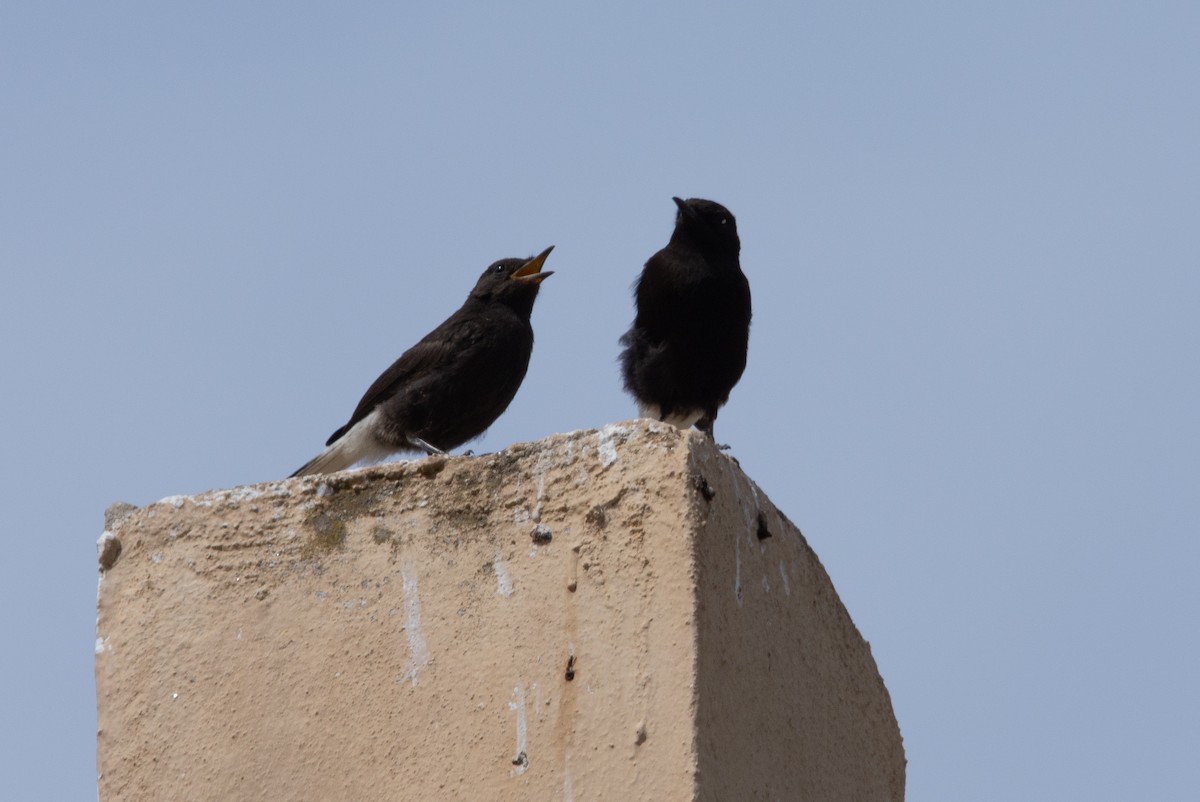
520,764
504,585
243,493
545,462
737,576
231,497
175,502
606,449
568,793
418,652
541,493
102,646
787,587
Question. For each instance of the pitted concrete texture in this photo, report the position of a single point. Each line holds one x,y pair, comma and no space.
606,615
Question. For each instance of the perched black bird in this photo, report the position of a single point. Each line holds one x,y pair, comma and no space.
453,384
687,346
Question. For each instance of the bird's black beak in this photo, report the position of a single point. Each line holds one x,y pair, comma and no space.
685,210
531,271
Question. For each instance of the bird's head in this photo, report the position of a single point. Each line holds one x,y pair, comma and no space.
707,223
513,282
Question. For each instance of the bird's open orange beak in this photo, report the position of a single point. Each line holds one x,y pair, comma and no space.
531,271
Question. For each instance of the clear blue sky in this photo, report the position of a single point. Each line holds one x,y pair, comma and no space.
972,233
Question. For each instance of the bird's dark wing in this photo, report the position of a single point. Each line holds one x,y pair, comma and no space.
663,293
436,350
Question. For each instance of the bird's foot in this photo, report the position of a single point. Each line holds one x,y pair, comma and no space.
424,446
470,452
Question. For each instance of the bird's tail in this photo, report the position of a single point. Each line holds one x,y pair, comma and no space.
333,459
679,418
358,444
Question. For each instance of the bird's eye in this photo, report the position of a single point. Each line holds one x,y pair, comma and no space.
499,268
724,220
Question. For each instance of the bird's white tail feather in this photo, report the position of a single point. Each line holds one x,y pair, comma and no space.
680,419
357,445
333,459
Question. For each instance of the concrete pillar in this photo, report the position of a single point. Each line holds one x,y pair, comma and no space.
607,615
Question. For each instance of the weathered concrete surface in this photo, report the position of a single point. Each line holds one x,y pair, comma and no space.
612,615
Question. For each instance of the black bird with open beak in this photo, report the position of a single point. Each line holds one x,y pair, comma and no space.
452,385
688,343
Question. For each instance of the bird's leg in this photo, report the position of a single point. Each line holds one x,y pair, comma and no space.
413,440
705,424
